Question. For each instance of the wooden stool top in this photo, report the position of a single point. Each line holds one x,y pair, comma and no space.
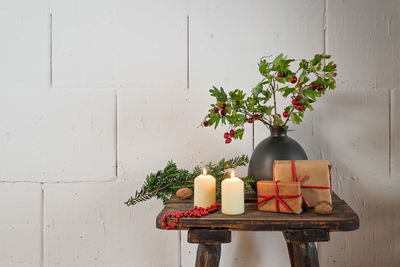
343,218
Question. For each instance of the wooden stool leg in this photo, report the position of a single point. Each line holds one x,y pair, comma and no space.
303,254
301,246
209,248
208,255
290,250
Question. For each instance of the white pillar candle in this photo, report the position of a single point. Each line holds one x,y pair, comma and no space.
232,195
204,190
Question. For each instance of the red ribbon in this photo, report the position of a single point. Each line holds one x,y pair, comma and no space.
305,186
278,198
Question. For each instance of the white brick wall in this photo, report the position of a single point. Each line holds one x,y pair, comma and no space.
96,94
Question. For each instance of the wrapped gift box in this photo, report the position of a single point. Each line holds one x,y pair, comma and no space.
277,196
313,175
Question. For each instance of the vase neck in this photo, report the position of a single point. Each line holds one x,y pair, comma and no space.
278,131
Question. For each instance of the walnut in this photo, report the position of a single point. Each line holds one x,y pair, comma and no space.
323,207
184,193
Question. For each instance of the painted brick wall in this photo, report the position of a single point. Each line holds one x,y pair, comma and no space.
96,94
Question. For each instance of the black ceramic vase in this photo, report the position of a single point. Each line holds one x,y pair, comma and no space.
278,146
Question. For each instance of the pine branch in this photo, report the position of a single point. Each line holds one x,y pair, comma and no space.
164,183
144,196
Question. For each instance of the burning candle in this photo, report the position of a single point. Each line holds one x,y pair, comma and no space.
204,190
232,195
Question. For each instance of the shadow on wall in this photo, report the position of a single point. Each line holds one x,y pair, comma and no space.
356,140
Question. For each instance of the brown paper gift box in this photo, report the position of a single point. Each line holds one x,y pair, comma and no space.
318,173
266,189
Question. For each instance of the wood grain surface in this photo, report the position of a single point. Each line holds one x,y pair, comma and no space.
343,218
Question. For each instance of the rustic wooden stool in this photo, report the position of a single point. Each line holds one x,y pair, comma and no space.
299,231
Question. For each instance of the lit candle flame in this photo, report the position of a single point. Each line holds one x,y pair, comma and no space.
232,174
204,171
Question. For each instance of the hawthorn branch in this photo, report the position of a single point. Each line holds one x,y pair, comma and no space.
273,93
287,119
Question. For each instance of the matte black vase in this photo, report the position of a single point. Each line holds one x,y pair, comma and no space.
278,146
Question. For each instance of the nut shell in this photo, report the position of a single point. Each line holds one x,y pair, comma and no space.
184,193
323,207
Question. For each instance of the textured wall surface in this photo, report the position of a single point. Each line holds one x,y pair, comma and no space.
96,94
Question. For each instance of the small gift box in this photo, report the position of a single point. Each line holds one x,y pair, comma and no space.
279,196
313,175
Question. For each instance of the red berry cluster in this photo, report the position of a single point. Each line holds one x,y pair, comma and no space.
296,102
223,110
193,212
319,87
228,136
255,117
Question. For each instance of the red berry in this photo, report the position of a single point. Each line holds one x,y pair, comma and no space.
170,215
295,102
222,105
226,135
298,98
164,225
205,123
191,214
176,221
232,133
313,86
250,120
216,110
293,79
191,209
212,206
320,87
223,112
163,220
228,140
185,214
195,207
172,226
280,74
299,107
285,114
168,227
257,116
165,216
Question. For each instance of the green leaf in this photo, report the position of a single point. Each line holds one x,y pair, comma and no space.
277,120
303,64
220,95
277,59
267,94
282,79
312,94
295,118
287,91
263,67
265,109
257,90
303,77
239,133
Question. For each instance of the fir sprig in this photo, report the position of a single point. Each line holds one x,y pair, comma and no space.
164,183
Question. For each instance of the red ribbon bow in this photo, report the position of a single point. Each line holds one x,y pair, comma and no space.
278,198
305,186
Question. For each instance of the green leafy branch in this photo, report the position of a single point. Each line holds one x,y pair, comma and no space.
164,183
310,81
